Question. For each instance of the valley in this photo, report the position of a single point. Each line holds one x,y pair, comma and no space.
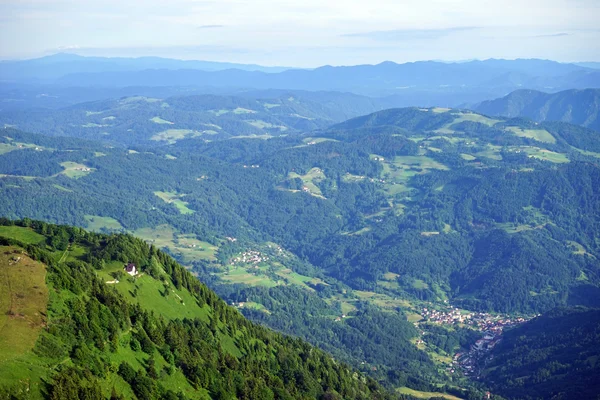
389,228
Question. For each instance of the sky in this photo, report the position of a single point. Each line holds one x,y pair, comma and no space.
306,33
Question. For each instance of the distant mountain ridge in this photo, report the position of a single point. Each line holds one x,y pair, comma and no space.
49,68
382,79
581,107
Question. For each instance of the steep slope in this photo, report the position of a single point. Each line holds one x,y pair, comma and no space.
157,334
580,107
551,357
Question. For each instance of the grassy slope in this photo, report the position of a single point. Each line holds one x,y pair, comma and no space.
25,294
23,303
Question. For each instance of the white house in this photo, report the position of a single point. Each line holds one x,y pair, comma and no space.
131,269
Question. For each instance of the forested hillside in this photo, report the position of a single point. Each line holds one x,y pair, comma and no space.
553,356
75,325
348,236
151,121
580,107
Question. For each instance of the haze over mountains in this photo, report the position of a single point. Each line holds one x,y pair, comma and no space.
424,83
333,205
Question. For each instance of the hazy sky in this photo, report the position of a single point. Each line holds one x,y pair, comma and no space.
305,32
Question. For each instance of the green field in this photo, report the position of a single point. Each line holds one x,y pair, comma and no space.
462,117
241,110
541,135
96,223
248,277
155,295
173,135
92,125
425,395
253,136
491,151
421,162
21,234
268,106
75,170
310,179
159,120
584,152
260,124
545,155
185,246
175,199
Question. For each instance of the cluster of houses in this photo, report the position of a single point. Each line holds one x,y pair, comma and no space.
453,316
250,257
491,326
84,169
482,321
470,361
252,166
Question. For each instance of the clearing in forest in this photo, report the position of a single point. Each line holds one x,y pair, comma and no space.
175,199
75,170
541,135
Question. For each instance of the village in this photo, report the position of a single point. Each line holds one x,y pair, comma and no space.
471,362
250,257
481,321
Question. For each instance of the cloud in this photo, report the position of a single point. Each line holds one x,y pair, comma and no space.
210,26
184,51
553,35
410,34
70,47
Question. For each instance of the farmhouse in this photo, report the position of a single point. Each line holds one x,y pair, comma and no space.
131,269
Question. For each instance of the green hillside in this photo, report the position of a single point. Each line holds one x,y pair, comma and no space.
553,356
154,122
581,107
75,325
346,236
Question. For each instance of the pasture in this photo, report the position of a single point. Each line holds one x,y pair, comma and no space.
97,223
541,135
160,121
173,135
175,199
23,306
25,235
75,170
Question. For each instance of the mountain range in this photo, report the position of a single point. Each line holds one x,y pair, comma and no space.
424,83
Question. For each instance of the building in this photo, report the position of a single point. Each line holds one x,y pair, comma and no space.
131,269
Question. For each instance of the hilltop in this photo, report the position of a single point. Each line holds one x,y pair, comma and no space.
580,107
